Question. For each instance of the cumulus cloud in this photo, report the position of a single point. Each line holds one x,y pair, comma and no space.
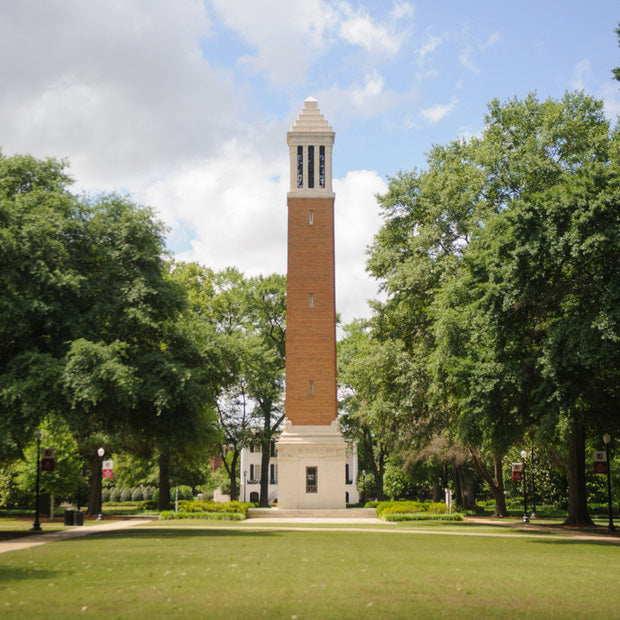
357,219
439,112
92,79
581,75
233,209
296,32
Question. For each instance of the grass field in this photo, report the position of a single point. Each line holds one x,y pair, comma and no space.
175,570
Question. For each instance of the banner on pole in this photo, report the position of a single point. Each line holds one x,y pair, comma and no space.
107,469
48,461
517,472
600,462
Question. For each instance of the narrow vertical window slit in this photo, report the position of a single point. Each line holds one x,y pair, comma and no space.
300,166
311,167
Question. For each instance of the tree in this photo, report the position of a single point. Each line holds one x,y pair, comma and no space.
64,481
41,224
247,319
480,259
92,323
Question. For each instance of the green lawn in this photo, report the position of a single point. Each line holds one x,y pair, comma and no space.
393,571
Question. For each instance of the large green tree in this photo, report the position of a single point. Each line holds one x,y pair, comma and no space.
480,257
93,324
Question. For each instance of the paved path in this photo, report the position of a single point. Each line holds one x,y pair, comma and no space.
506,529
74,532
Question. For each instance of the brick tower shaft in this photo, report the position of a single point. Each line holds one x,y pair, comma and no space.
311,450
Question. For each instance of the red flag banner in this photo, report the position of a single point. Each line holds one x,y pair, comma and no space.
600,462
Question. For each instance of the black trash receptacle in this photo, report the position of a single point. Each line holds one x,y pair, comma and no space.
78,518
68,516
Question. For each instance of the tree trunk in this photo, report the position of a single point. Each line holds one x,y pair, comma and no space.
163,503
94,484
578,513
496,484
458,486
232,474
264,470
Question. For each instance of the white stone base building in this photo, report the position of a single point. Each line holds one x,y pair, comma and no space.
250,465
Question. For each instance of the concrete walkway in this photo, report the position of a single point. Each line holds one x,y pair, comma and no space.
297,524
73,532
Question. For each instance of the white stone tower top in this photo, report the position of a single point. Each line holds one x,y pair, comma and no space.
310,142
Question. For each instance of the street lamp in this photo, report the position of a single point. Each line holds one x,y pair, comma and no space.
607,440
533,515
525,517
36,526
364,486
100,452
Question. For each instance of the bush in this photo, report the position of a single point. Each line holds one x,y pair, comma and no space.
422,516
196,506
407,507
137,495
105,495
212,516
126,495
115,495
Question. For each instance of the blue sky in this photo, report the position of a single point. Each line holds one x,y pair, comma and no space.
185,104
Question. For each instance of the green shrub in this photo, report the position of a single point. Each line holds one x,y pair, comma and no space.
191,506
137,495
422,516
126,495
105,495
212,516
406,507
372,504
115,495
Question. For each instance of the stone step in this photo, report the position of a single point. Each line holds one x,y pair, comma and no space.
307,513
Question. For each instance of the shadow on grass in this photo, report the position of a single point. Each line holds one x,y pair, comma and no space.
10,573
172,532
604,542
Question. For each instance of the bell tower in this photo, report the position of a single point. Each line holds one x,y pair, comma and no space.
311,449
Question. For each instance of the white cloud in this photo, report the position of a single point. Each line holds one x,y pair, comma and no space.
234,210
428,47
439,112
357,220
121,89
233,206
289,35
465,58
581,75
466,55
358,28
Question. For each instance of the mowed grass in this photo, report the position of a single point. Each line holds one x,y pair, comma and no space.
229,572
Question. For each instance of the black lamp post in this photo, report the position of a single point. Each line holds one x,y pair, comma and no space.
100,453
364,486
607,440
525,517
533,515
36,526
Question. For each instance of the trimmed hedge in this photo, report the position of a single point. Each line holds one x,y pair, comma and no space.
408,507
212,516
422,516
191,506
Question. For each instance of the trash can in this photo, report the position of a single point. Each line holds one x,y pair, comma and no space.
68,516
78,517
